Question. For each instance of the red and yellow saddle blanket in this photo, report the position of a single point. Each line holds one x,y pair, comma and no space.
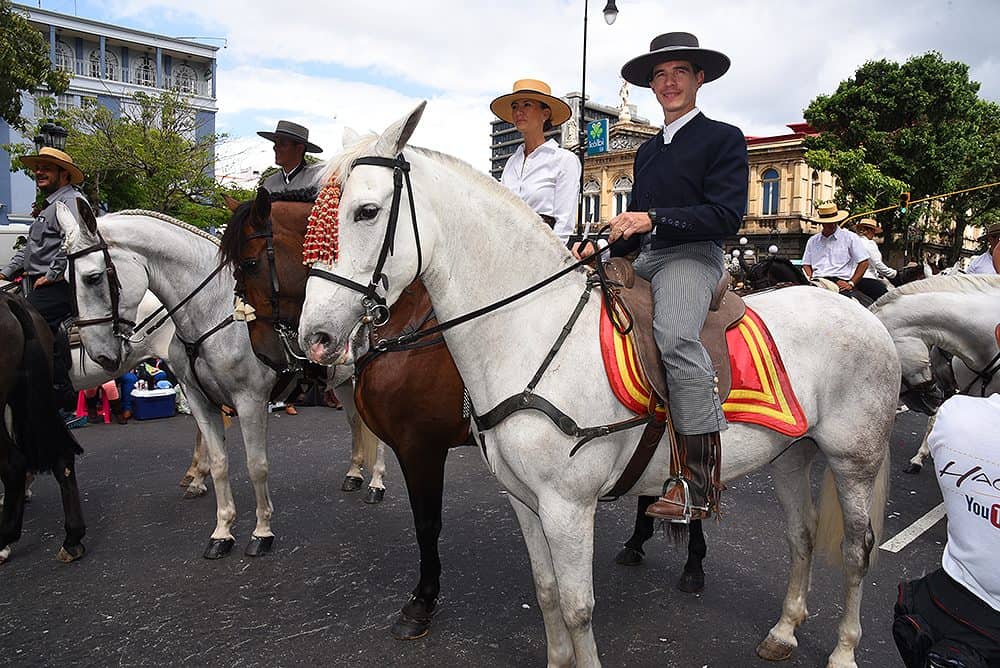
761,392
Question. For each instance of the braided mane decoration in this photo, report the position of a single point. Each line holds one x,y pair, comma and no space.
322,240
173,221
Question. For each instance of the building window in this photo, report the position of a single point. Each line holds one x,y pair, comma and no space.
622,194
770,182
111,66
591,203
64,58
144,72
814,192
185,79
66,102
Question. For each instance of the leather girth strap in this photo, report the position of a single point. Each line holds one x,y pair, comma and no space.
637,464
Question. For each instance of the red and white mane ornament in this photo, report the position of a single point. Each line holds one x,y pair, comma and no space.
322,240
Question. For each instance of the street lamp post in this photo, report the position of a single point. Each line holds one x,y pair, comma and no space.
610,14
52,135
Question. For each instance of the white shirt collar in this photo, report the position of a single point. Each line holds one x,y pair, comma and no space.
671,128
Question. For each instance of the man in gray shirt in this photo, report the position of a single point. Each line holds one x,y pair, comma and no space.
42,261
291,143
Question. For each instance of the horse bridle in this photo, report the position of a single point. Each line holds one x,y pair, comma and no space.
114,289
376,310
283,328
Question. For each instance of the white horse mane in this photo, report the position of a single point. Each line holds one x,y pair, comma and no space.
173,221
968,284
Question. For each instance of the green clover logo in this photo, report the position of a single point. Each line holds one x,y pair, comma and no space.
596,130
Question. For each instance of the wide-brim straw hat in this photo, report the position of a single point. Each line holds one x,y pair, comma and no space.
993,229
531,89
55,157
295,132
870,223
829,213
674,46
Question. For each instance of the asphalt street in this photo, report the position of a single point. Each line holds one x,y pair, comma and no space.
340,570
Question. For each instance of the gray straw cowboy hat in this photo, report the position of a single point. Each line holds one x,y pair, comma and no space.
829,213
55,157
674,46
295,132
531,89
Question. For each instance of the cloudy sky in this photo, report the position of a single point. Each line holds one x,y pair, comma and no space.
363,64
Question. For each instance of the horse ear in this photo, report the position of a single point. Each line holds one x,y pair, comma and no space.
396,135
74,233
261,206
349,138
231,204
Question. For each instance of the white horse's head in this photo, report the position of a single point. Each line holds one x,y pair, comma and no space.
93,283
331,311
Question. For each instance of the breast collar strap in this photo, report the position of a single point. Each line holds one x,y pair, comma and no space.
376,311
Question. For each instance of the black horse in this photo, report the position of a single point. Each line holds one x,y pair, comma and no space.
39,440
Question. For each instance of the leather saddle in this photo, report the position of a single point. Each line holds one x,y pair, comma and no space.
636,297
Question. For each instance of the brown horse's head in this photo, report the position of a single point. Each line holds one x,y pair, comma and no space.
263,245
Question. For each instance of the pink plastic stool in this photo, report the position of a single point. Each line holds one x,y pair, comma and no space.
104,409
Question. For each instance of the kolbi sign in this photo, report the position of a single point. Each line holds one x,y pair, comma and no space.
597,137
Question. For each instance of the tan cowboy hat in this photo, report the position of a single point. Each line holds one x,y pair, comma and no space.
674,46
992,229
295,132
531,89
55,157
829,213
870,223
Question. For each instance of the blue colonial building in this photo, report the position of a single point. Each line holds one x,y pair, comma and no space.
108,65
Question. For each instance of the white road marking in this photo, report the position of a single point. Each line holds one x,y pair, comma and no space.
912,532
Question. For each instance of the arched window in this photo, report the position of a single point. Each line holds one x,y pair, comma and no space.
622,194
144,71
185,79
64,58
110,65
591,203
770,182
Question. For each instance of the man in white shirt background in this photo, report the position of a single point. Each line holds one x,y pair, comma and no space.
836,254
871,283
951,617
985,263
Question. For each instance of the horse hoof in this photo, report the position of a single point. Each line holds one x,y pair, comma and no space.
71,554
375,495
186,480
259,546
406,628
351,484
629,557
913,469
195,492
691,583
5,553
770,649
219,547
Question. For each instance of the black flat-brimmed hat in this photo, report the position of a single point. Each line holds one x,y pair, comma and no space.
674,46
295,132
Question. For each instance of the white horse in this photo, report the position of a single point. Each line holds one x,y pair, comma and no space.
478,243
957,314
169,258
85,373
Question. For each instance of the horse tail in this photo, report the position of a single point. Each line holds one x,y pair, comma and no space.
39,430
830,523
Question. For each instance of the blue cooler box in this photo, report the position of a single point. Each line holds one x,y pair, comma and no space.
151,404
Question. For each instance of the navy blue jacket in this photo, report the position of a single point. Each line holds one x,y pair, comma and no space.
697,184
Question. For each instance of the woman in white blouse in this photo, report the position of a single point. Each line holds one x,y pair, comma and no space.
540,172
871,283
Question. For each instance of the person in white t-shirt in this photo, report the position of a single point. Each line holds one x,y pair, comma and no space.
987,263
871,283
951,617
540,172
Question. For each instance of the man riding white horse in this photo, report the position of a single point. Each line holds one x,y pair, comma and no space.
291,143
836,254
984,263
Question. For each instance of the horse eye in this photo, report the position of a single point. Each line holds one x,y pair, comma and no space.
92,279
366,212
249,266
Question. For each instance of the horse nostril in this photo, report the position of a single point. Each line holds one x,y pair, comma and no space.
321,338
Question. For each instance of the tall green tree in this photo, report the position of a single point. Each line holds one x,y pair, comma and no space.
24,64
918,126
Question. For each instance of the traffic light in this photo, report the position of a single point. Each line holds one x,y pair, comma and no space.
904,201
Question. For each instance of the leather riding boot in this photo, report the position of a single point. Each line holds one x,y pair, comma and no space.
700,466
117,412
92,416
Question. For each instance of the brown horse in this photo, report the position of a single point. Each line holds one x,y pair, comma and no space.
413,399
40,440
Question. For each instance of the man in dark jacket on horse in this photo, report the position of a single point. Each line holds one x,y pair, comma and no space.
690,194
291,143
42,261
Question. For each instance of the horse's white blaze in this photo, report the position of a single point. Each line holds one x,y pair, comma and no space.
480,243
